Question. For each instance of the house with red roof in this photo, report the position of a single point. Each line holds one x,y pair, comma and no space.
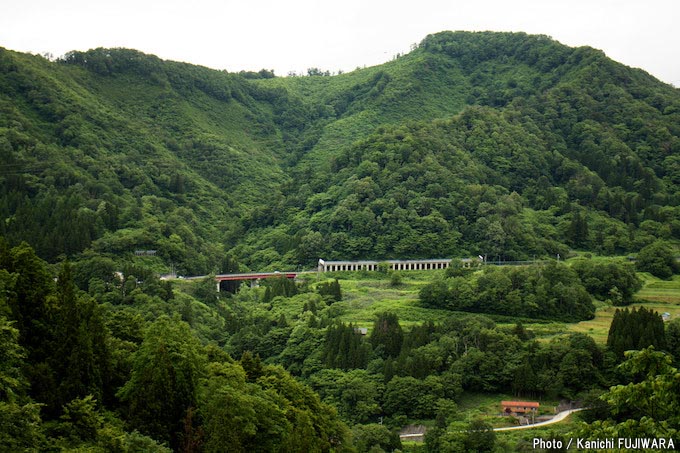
519,407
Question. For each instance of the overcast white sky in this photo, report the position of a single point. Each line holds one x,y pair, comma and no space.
294,35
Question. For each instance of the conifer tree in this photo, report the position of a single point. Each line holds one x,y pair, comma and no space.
20,424
345,348
251,365
81,360
387,334
636,329
164,379
28,301
578,228
331,289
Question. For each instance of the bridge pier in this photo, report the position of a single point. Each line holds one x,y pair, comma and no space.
233,281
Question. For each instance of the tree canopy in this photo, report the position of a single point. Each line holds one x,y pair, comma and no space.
500,144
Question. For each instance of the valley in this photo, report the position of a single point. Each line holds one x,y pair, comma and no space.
118,167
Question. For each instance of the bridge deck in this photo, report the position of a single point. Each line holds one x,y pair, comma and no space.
255,276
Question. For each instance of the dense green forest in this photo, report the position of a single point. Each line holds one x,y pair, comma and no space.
127,373
117,166
500,144
96,361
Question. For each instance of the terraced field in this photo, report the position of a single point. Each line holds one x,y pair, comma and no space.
365,297
658,295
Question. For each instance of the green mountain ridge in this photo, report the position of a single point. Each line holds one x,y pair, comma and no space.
503,144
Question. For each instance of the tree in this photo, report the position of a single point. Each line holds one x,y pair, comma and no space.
647,406
578,228
395,279
315,425
636,329
239,416
387,334
673,339
229,265
344,347
616,282
280,286
317,72
205,291
20,427
550,291
12,382
525,382
81,420
657,259
28,299
374,437
62,331
251,365
355,393
359,396
311,247
433,435
162,386
95,267
81,361
331,289
480,436
20,423
413,397
435,294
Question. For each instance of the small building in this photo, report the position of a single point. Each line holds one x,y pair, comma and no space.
666,316
519,407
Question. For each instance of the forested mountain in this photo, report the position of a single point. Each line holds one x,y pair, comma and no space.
502,144
499,144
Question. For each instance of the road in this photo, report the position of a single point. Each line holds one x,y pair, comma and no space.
556,419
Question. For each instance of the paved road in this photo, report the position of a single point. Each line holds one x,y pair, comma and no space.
556,419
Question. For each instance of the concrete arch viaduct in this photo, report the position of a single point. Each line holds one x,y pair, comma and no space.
394,265
343,266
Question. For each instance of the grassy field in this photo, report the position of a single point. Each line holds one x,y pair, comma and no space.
365,295
659,295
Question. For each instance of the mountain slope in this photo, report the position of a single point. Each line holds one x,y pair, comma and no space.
575,134
473,143
129,151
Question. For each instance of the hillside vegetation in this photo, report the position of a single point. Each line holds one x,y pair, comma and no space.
101,361
117,166
499,144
